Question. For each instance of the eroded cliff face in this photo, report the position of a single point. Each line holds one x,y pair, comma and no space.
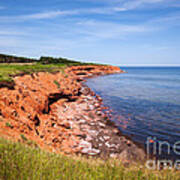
57,113
27,108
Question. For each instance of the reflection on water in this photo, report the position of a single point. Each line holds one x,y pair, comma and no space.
145,102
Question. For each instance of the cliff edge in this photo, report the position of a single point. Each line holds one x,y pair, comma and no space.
57,112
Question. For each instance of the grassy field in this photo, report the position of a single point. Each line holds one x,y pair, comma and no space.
18,161
8,70
47,64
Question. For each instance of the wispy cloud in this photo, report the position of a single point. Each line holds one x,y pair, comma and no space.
166,21
81,34
47,15
110,30
36,16
126,5
107,29
130,5
121,6
54,14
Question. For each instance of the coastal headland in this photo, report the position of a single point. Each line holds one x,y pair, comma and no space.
57,112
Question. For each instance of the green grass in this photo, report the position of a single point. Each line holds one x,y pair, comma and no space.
9,125
23,137
47,64
56,83
18,161
8,70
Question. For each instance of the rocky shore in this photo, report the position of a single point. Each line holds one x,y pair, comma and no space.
57,112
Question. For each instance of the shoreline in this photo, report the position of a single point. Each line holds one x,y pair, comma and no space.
59,113
110,140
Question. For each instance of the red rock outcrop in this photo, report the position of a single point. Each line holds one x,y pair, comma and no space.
93,70
57,113
29,108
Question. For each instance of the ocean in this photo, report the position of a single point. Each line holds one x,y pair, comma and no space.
146,105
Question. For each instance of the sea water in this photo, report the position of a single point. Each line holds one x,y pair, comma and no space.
145,103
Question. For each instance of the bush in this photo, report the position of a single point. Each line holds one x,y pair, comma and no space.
13,59
50,60
57,84
9,125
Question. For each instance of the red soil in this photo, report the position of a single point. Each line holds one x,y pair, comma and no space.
31,108
58,113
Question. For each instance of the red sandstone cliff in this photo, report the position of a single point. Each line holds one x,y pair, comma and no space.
56,112
29,108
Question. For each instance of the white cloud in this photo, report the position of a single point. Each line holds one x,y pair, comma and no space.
130,5
50,14
109,30
42,15
55,40
166,21
126,5
121,6
47,15
54,14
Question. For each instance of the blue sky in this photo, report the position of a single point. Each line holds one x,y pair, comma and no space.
106,31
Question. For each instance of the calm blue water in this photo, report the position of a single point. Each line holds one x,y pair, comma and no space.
145,101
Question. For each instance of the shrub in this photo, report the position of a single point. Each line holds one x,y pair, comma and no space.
51,60
9,125
13,59
23,137
55,82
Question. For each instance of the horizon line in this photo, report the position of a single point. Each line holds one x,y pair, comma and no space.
148,65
